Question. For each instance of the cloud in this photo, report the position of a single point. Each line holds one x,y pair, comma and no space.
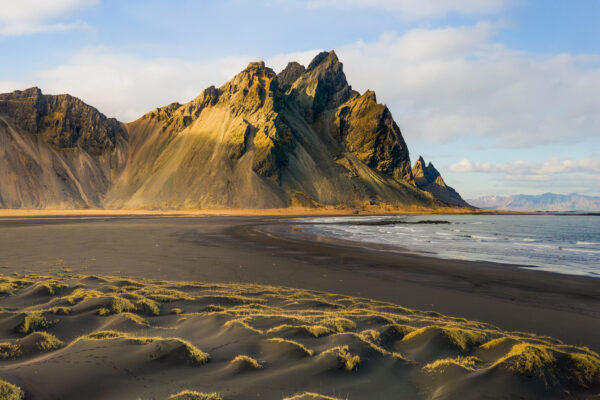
544,170
421,9
32,16
126,86
443,84
564,175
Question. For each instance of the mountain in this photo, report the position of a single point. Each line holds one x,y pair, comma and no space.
302,137
428,178
56,151
542,202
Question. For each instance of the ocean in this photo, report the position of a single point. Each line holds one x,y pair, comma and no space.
557,243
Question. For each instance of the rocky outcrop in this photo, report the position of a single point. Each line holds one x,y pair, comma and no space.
302,137
56,151
429,179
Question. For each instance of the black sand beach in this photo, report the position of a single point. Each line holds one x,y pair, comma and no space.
262,250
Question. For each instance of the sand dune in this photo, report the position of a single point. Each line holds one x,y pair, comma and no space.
117,338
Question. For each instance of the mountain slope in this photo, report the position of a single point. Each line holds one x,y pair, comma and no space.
302,137
428,178
56,151
542,202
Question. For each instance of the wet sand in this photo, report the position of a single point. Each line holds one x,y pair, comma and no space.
261,249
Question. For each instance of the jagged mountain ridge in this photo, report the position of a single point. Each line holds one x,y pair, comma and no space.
56,151
302,137
542,202
428,178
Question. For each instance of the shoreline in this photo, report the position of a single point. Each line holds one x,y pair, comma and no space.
236,249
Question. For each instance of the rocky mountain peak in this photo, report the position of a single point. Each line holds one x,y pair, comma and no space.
290,74
63,121
322,86
325,60
428,178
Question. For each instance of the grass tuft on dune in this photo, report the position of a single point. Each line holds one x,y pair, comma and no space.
307,351
33,321
8,391
43,341
9,350
347,360
193,395
245,361
311,396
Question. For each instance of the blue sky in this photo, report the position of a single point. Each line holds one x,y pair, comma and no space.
501,95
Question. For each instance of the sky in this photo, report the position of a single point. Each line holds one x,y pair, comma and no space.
501,95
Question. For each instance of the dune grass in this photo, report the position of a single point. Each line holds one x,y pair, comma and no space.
33,321
376,330
191,354
193,395
347,360
311,396
307,351
44,341
440,366
9,350
243,360
8,391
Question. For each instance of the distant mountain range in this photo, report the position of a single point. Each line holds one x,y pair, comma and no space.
542,202
302,137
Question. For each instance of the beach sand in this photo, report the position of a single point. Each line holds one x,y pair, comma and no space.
365,299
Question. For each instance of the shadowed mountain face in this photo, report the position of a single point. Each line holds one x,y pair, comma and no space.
302,137
428,178
56,151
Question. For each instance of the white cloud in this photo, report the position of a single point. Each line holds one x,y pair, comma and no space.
564,175
418,9
535,170
33,16
126,86
442,84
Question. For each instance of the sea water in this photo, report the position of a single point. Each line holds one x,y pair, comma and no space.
568,244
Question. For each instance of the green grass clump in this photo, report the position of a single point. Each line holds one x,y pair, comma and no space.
338,324
347,360
309,352
440,366
45,341
60,310
584,369
191,353
10,350
135,318
494,343
117,305
193,395
528,359
311,396
8,285
51,286
33,321
163,295
395,332
464,339
8,391
148,306
246,361
81,294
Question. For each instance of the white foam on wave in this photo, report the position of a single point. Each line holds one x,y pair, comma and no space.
584,243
